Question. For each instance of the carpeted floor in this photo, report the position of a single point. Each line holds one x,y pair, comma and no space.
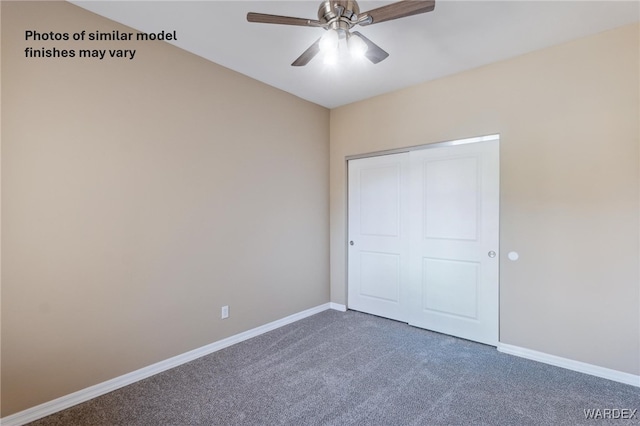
349,368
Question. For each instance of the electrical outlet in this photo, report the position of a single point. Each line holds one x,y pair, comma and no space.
224,312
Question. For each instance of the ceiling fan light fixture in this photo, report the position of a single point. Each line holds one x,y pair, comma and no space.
329,41
357,46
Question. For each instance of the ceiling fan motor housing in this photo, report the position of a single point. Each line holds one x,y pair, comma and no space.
339,14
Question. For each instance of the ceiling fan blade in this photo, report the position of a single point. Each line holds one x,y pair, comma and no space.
374,52
307,55
397,10
264,18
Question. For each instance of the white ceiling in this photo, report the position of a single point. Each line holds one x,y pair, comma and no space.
456,36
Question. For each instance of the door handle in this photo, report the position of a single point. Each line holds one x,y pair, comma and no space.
492,254
351,243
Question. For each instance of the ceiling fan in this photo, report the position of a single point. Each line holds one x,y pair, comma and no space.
338,17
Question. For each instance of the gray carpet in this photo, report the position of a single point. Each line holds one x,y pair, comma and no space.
350,368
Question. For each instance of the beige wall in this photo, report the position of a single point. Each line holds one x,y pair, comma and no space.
568,117
138,197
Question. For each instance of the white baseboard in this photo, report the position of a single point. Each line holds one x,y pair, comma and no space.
91,392
569,364
338,307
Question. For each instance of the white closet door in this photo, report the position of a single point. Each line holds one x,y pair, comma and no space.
423,238
378,241
453,278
